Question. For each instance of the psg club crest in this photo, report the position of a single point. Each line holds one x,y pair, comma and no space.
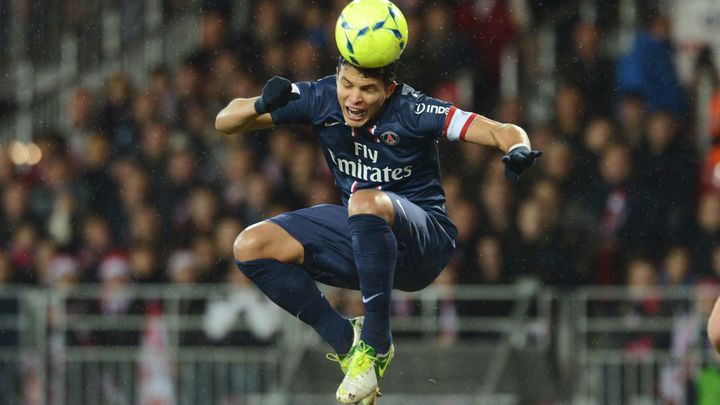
390,138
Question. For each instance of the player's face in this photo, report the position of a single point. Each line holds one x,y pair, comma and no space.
360,97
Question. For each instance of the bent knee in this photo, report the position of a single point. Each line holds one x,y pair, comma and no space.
371,202
266,240
249,245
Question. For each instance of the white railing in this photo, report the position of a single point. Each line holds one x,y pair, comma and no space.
595,333
639,346
56,348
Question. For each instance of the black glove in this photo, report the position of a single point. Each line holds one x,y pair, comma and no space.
276,93
519,160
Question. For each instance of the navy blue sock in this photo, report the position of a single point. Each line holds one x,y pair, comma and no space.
292,289
375,253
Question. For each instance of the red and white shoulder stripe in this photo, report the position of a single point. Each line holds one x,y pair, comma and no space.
457,123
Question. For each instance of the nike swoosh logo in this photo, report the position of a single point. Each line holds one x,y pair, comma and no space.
330,124
368,299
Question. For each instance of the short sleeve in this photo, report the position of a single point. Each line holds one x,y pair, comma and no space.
300,111
430,114
441,119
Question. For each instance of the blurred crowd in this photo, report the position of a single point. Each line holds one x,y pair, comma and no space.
142,189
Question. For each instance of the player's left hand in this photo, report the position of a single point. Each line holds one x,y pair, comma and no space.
519,160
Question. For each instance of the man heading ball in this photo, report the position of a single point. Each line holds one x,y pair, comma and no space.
379,139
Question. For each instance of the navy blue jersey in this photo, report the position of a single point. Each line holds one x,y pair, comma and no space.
395,151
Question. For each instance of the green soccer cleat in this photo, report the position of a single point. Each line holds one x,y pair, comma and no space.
362,379
344,359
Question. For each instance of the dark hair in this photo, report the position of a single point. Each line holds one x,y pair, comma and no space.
385,73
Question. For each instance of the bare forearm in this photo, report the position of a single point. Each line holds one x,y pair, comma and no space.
484,131
238,116
509,135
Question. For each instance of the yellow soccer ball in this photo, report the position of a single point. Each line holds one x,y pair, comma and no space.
371,33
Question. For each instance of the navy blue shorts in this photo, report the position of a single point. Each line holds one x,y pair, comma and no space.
426,242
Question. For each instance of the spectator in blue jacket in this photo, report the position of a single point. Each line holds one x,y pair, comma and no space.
648,69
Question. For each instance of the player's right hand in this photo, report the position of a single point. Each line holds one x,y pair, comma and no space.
277,93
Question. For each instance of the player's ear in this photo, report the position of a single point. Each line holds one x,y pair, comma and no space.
390,88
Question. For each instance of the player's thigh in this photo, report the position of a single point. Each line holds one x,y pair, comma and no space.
324,233
426,243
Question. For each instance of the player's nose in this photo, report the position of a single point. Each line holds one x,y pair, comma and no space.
356,97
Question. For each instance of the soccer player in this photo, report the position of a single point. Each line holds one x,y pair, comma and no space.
379,139
714,326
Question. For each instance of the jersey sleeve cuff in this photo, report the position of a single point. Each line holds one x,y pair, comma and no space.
457,123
